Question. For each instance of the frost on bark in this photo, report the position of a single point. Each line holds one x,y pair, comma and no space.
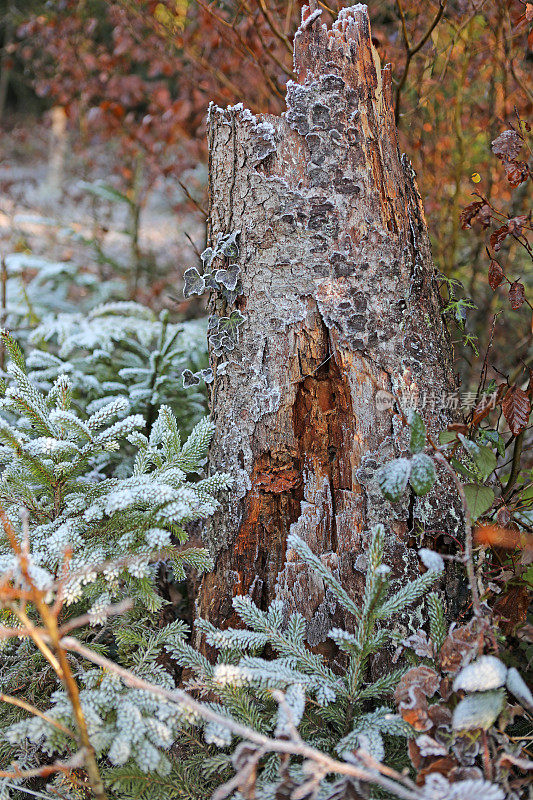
341,307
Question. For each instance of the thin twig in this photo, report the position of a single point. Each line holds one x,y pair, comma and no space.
59,661
412,50
3,278
113,610
515,469
46,769
15,701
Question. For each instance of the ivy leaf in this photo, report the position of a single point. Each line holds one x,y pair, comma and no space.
228,277
194,282
207,375
423,473
495,275
229,325
210,281
229,246
517,295
418,433
212,323
392,478
190,378
478,499
516,409
207,256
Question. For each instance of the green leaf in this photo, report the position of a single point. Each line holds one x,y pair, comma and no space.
495,438
418,433
478,498
106,192
423,473
446,437
462,470
393,477
478,710
471,447
485,461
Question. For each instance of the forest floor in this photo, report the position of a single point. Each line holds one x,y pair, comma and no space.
70,223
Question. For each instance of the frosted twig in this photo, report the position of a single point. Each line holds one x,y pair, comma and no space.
15,701
310,19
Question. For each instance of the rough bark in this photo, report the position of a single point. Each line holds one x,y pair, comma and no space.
341,303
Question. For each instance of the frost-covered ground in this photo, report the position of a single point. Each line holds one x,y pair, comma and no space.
36,219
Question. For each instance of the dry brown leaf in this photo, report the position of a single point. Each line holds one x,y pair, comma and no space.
411,695
516,409
495,275
517,295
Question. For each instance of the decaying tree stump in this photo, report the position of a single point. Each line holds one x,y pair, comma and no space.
341,307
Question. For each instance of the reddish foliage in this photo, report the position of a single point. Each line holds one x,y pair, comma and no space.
507,145
495,275
516,409
411,696
459,647
512,608
503,537
469,213
517,295
498,237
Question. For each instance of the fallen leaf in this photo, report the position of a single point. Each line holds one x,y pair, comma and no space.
459,647
440,765
411,695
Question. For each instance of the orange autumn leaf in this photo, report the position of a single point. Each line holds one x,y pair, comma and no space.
495,536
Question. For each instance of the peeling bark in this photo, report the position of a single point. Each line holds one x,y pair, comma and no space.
341,302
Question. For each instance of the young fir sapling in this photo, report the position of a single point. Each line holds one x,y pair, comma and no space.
329,704
100,537
123,350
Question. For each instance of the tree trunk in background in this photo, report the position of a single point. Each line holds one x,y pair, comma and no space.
341,306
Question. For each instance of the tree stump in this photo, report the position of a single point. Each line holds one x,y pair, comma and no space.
342,311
